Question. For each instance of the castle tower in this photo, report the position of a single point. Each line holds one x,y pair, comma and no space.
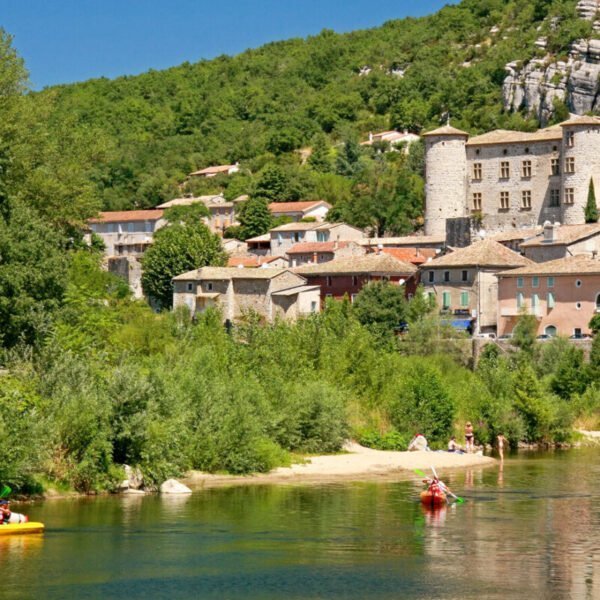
580,164
445,177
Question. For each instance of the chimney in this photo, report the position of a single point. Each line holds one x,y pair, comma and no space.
379,247
548,232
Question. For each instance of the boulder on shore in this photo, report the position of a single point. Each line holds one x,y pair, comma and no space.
135,478
172,486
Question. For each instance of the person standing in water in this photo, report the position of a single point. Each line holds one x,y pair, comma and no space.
501,442
469,437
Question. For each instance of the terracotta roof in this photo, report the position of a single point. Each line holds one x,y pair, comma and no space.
213,170
581,120
265,237
515,234
121,216
283,207
416,256
446,130
409,240
251,260
310,247
383,264
486,253
572,265
565,235
504,136
225,273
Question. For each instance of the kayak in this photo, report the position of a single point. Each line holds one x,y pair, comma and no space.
433,498
21,528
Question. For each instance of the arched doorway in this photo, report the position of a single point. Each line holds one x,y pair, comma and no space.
551,331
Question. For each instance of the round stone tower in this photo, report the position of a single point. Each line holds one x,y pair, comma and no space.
580,164
445,177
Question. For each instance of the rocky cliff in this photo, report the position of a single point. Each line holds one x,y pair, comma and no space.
536,86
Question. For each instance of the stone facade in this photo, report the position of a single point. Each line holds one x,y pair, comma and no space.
512,180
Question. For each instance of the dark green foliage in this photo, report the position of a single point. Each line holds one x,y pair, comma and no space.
594,324
320,158
177,249
591,208
569,377
524,333
187,214
392,440
255,218
381,305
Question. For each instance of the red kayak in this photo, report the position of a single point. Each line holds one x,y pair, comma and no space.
433,496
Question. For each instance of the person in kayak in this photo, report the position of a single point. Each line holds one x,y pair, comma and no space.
8,517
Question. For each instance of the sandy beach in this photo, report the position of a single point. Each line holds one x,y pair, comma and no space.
358,464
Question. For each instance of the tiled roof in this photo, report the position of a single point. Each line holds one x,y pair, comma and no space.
309,247
581,120
572,265
486,253
251,260
213,170
515,234
284,207
565,235
409,240
265,237
504,136
296,227
446,130
224,273
416,256
382,264
121,216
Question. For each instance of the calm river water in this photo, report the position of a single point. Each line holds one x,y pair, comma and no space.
530,530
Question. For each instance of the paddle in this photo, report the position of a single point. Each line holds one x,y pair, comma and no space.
447,490
5,491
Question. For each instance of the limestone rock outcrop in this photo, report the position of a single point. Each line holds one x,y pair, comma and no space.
172,486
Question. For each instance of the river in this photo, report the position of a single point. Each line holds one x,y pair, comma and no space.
529,530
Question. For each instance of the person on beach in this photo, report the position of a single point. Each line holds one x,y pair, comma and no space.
469,437
419,442
454,447
501,442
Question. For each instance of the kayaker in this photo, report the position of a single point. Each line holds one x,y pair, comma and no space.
4,512
419,442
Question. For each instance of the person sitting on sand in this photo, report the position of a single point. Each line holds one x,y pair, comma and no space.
418,443
454,447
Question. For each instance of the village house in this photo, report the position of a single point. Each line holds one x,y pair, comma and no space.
562,294
286,236
233,246
216,170
559,241
315,210
345,277
318,252
270,293
464,285
221,212
513,238
261,244
393,138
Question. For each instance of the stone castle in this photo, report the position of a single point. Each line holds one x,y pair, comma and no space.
509,179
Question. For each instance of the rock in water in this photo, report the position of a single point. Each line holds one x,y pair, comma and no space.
172,486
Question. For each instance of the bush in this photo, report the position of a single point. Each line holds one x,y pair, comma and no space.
392,440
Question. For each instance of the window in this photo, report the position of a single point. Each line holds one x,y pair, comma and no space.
520,282
431,276
313,306
520,300
477,171
329,281
353,298
551,331
551,300
570,164
578,305
526,170
476,201
446,276
550,282
321,236
504,200
535,301
209,286
554,198
577,332
354,280
555,166
570,139
190,287
598,303
504,169
525,199
535,282
569,195
578,283
446,300
465,275
464,299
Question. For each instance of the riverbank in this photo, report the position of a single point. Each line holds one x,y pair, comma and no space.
357,464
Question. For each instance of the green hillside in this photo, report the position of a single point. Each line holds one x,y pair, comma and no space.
136,138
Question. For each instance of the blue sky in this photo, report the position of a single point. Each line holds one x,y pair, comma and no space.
71,40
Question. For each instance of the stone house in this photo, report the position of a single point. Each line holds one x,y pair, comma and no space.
559,241
222,213
314,209
562,294
347,276
513,238
286,236
271,293
260,245
318,252
511,179
464,284
393,138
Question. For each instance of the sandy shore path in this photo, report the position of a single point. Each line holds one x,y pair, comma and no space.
359,464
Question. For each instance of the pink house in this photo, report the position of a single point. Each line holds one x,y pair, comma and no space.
563,295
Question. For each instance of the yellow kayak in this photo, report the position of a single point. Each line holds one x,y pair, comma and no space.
21,528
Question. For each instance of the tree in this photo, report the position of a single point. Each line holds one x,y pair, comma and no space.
591,209
524,333
188,214
569,378
320,159
348,159
255,218
176,249
381,306
595,324
272,184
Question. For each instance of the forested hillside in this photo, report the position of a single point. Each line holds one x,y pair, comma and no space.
135,138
